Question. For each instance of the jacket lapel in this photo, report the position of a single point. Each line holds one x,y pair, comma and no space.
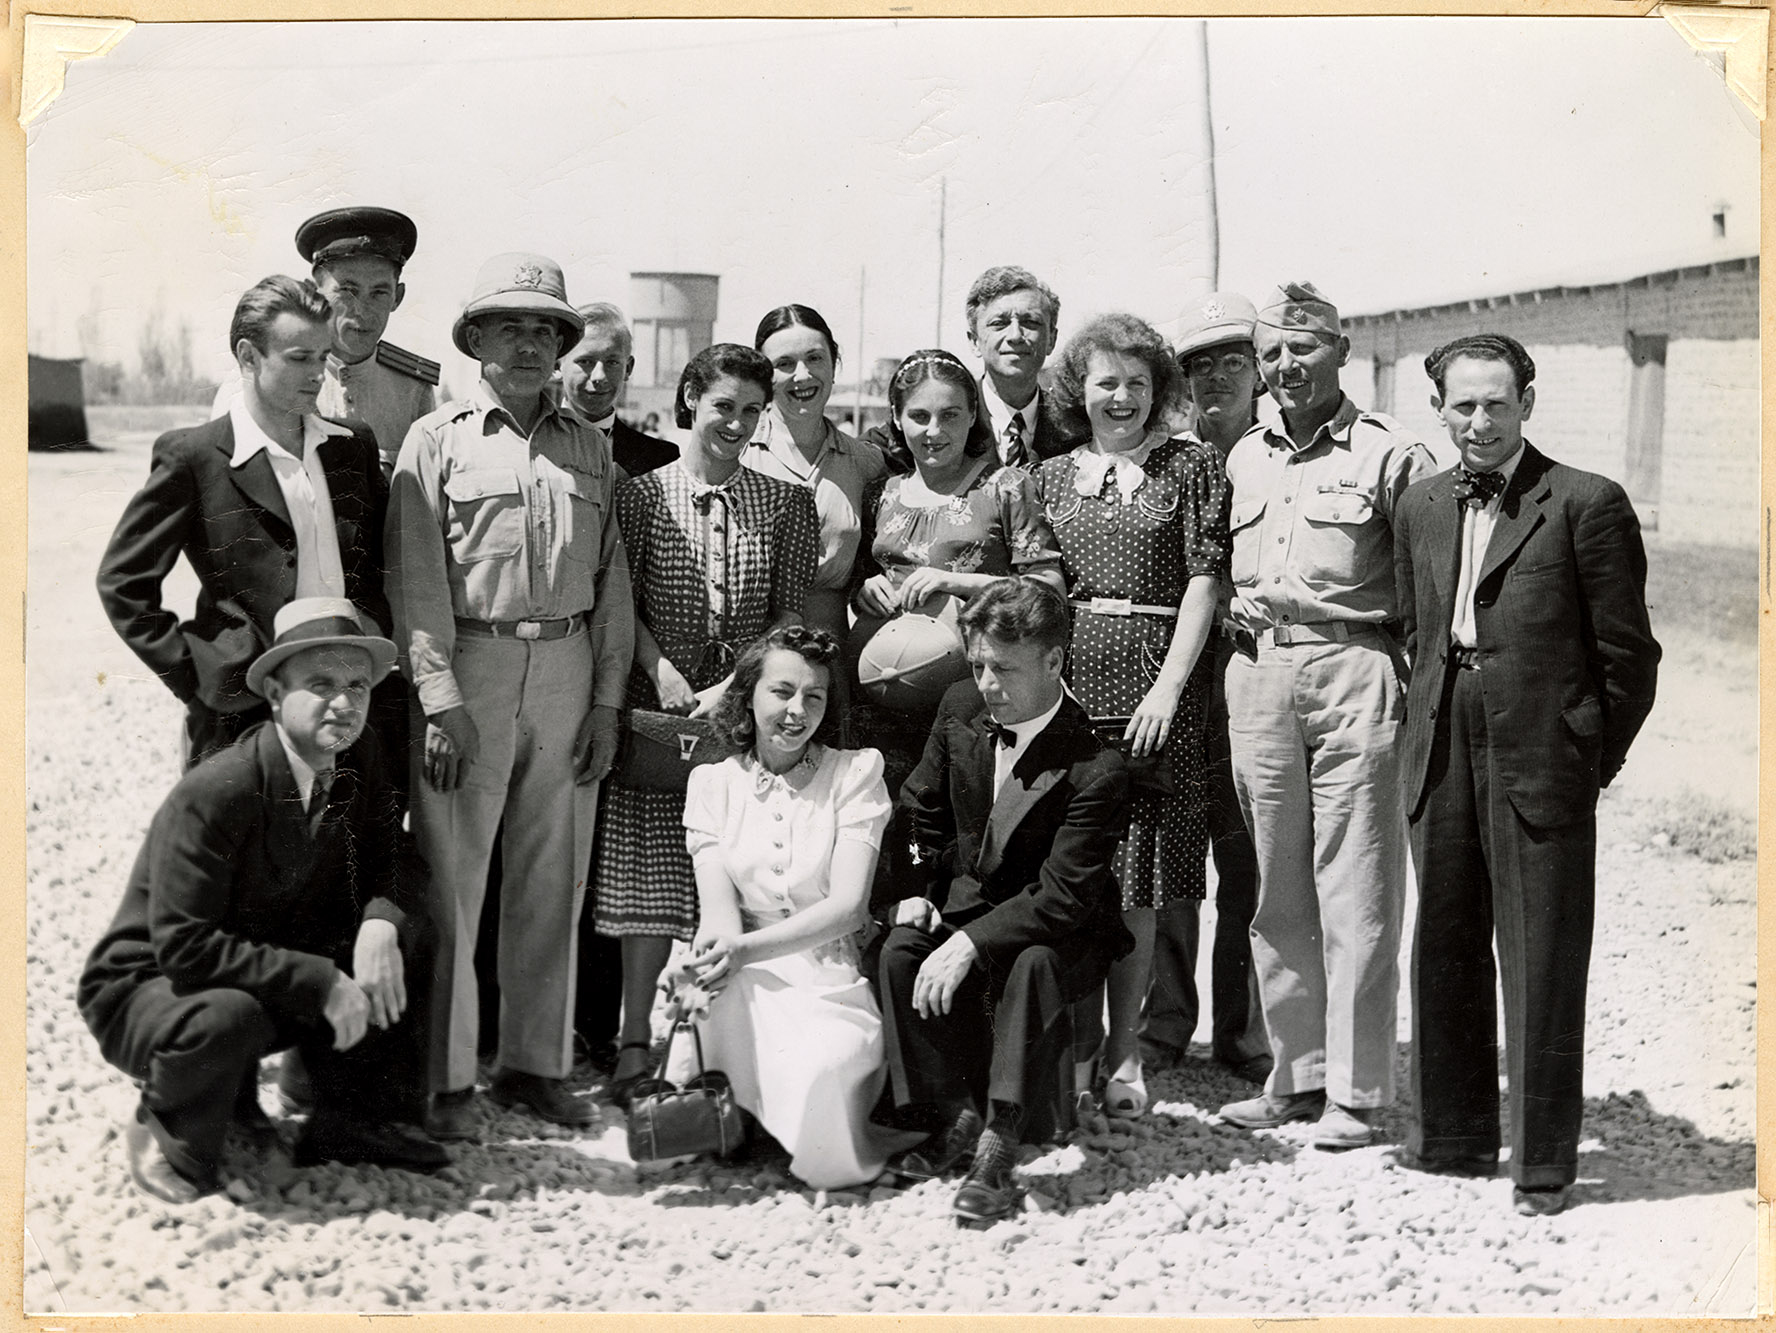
1444,520
288,846
256,480
1030,778
1520,511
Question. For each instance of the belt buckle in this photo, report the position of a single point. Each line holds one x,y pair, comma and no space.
1112,606
527,629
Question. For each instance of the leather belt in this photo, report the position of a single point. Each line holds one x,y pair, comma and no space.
1324,631
528,630
1463,657
1121,606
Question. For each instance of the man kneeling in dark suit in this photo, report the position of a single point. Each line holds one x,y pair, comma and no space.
1015,810
276,902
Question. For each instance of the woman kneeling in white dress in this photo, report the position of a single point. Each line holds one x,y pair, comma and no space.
783,838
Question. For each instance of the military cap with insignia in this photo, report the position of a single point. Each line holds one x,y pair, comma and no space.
523,284
1301,305
1220,317
340,232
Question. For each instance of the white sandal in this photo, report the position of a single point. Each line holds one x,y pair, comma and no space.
1126,1098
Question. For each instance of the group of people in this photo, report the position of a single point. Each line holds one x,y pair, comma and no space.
914,936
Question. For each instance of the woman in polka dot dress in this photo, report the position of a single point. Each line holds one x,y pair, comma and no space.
1142,523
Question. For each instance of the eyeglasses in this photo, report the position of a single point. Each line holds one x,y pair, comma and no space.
1229,363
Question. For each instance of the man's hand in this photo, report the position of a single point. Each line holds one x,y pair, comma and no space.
595,747
377,968
941,974
348,1010
919,913
452,743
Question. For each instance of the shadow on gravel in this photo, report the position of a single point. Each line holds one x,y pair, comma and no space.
1635,1152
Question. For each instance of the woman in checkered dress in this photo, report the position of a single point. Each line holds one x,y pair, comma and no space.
718,555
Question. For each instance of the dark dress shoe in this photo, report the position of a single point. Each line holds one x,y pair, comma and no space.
988,1193
295,1089
154,1174
248,1114
545,1097
452,1116
332,1136
1540,1201
1479,1166
942,1152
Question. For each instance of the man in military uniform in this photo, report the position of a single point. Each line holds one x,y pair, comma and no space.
357,256
513,615
1315,699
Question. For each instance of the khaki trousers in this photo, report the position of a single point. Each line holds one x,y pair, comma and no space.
527,700
1315,731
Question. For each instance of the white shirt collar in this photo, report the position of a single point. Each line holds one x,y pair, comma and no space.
1000,412
249,439
1031,729
300,768
608,422
1508,468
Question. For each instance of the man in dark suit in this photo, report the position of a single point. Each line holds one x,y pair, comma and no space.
593,374
276,902
1016,809
267,503
1522,589
1013,322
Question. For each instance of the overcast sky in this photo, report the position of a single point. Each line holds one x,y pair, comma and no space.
1394,162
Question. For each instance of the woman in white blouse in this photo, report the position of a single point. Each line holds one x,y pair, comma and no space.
783,838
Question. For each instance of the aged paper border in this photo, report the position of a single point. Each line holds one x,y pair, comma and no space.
1748,60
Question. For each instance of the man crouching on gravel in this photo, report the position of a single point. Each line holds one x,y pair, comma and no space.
276,902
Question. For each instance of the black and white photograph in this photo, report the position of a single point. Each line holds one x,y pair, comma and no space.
892,665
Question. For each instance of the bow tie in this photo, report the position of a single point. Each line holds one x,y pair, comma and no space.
1002,735
1477,489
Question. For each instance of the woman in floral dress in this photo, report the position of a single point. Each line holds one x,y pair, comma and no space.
1141,518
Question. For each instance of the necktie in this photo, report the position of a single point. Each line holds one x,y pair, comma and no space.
1477,489
317,799
1016,453
1001,735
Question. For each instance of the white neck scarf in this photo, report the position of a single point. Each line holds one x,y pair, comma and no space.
1091,467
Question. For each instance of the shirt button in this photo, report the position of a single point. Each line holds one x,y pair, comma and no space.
1279,541
1277,578
776,870
1288,499
778,815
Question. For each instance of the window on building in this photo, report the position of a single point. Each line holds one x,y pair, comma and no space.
1384,384
1643,465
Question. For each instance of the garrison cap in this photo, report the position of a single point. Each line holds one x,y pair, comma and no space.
357,231
520,283
1220,317
1299,305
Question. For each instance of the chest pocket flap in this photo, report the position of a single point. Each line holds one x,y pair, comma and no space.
486,513
1245,514
1352,508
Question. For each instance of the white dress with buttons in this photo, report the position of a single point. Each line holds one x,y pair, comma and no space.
799,1037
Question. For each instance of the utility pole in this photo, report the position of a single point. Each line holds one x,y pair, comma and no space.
857,397
943,209
1208,130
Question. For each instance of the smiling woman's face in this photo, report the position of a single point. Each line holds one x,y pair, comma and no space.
788,704
801,370
724,418
1118,399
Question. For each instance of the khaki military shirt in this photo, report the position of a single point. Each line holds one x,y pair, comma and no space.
1312,528
487,523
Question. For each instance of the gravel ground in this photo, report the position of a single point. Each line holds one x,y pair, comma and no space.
1171,1213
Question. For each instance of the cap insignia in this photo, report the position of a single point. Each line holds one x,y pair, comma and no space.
528,275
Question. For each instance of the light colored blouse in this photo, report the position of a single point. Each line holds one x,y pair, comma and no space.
773,835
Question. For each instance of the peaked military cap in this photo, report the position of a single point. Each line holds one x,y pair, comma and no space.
340,232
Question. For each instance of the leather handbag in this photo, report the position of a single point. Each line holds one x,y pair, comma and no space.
1149,775
700,1116
661,749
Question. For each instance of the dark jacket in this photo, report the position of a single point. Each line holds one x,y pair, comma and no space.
637,452
232,525
1568,659
231,890
1035,867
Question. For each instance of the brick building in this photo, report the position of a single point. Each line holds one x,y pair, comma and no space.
1652,381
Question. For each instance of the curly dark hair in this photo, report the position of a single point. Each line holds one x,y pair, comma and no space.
708,366
1483,347
1118,335
933,363
733,711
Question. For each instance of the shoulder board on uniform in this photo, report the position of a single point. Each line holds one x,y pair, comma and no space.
408,363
